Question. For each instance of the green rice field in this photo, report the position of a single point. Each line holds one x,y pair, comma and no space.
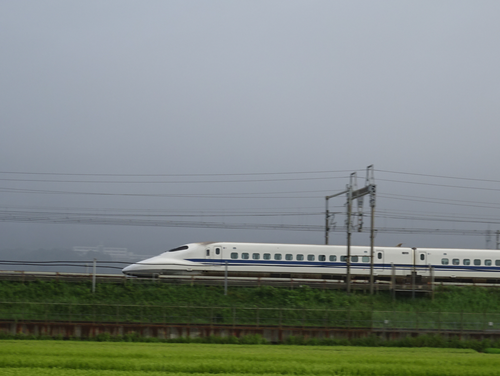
150,359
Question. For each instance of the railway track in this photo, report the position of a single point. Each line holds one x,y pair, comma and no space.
357,284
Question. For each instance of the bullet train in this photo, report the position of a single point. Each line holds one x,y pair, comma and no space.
318,261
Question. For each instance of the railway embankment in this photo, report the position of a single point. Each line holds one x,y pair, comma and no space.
473,299
72,310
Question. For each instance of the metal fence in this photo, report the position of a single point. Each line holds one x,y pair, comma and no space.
248,316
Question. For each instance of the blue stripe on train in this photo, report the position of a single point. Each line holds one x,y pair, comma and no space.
357,265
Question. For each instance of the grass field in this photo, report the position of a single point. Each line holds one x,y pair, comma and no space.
119,359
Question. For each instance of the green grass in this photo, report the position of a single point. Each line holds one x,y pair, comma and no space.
314,317
449,299
93,358
453,308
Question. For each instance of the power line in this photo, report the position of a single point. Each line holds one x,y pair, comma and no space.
414,213
33,213
164,218
169,182
240,174
442,201
440,176
223,225
440,185
223,211
437,219
15,213
175,195
175,175
155,215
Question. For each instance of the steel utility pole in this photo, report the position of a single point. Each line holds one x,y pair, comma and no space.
352,194
370,189
370,183
349,213
327,217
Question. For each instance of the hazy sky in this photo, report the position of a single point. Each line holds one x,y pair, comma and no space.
137,110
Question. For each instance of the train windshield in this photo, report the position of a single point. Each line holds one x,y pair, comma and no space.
182,248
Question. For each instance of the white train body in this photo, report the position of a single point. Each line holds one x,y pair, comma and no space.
318,261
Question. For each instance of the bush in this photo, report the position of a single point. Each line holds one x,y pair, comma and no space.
252,339
103,337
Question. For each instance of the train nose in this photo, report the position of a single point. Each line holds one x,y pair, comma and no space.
146,267
128,269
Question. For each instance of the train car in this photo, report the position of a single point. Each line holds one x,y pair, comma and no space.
318,261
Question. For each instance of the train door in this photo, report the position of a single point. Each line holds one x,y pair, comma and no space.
421,262
217,253
421,258
379,259
208,252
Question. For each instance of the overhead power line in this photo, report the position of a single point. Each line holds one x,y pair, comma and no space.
32,214
440,185
158,222
448,219
188,195
201,218
240,174
65,214
439,176
442,201
168,182
174,175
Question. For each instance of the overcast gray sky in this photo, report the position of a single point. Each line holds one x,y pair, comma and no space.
135,111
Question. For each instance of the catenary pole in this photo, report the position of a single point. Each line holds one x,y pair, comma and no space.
327,213
349,212
352,194
94,271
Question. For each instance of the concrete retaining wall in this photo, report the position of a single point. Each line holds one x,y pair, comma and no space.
272,334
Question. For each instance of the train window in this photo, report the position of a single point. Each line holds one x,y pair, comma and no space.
497,262
455,262
217,251
379,255
289,256
343,258
256,256
208,252
366,259
466,261
333,258
310,257
422,256
234,255
245,256
267,256
445,261
182,248
277,256
322,258
300,257
477,262
354,258
487,262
